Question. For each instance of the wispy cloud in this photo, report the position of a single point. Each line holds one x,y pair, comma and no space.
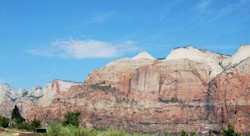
203,4
209,14
227,10
244,1
129,42
81,49
101,17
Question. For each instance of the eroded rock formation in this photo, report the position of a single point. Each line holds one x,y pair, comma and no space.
191,89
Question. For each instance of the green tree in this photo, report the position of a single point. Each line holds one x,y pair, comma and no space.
15,115
184,133
229,131
4,122
193,133
72,118
35,124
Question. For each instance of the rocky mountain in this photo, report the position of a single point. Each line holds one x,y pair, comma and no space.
27,100
190,89
7,97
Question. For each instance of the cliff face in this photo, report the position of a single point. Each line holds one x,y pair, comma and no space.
191,89
202,91
7,97
28,100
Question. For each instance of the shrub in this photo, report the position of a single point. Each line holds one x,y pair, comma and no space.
184,133
4,122
103,86
115,132
23,125
72,118
229,131
193,133
172,100
55,129
83,132
35,124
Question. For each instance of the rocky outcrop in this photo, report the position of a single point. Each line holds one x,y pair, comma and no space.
231,92
54,90
213,60
7,97
28,100
191,89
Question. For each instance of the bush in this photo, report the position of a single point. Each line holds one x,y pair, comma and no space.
172,100
55,129
83,132
72,118
185,133
115,132
23,125
4,122
229,131
35,124
102,86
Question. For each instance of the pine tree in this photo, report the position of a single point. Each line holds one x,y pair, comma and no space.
15,115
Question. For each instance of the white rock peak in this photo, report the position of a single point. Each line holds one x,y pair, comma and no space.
6,92
143,55
212,59
241,54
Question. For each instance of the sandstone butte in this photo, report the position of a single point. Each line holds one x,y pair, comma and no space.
191,89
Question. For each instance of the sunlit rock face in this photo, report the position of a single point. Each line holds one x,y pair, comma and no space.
53,90
242,54
7,97
213,60
190,89
27,100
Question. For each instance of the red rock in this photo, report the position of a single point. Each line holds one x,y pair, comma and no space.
144,94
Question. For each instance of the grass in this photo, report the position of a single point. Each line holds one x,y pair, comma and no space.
60,130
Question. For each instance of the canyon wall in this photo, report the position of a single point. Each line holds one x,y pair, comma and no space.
191,89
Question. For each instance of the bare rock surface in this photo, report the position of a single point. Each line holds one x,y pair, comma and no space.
191,89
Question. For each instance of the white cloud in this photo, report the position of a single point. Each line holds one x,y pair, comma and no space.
81,49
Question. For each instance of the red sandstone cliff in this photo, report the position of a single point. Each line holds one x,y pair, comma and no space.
191,89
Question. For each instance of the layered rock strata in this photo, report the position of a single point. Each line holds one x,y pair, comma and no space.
191,89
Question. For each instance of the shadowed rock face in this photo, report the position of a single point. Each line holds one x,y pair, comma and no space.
150,95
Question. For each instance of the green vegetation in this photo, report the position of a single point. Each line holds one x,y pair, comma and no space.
35,124
229,131
172,100
4,122
103,86
16,116
70,127
72,118
60,130
18,122
185,133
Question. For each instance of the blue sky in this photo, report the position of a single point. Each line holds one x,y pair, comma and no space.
60,39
